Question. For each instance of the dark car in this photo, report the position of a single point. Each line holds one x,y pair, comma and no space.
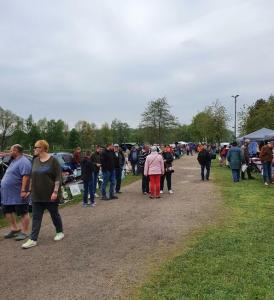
69,171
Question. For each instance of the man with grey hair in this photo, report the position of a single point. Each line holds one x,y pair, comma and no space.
15,192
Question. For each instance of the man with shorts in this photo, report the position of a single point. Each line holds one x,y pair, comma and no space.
15,192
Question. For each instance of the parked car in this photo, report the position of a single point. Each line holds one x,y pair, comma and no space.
69,171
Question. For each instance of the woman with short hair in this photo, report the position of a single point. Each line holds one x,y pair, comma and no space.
154,168
45,192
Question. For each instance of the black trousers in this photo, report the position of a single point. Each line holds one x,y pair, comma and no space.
37,216
118,177
145,183
207,167
166,176
248,171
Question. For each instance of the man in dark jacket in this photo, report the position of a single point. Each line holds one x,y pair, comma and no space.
87,172
204,159
108,170
119,162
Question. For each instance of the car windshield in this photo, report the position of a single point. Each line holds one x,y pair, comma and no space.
60,160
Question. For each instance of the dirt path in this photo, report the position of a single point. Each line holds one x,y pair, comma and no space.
109,248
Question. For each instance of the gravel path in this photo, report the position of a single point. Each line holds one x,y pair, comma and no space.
110,248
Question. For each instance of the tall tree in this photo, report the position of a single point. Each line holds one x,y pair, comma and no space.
256,116
8,122
74,139
104,136
120,131
87,133
157,119
210,125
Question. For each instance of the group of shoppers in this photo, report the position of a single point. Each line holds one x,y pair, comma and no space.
239,161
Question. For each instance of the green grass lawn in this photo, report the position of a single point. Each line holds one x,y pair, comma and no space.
126,181
233,260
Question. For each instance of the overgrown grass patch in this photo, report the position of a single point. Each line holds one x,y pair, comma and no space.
233,260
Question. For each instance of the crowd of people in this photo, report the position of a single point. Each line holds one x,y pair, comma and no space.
39,181
239,159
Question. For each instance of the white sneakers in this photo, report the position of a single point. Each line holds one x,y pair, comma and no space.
170,191
59,236
29,243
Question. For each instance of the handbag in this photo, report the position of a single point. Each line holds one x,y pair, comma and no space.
169,170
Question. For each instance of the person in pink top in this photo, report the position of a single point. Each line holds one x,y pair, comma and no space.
154,168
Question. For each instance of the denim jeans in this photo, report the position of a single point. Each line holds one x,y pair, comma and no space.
88,189
236,175
267,171
108,176
37,216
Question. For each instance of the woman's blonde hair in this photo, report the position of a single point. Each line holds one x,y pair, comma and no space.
44,144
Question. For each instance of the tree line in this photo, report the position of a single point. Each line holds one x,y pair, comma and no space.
157,125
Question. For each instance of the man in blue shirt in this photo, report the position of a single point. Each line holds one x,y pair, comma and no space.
15,192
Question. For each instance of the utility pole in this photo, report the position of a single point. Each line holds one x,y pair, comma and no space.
235,116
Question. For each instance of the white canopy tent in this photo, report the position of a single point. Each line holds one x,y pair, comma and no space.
258,135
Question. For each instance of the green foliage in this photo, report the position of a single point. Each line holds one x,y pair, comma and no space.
120,131
104,135
157,119
257,116
231,261
87,133
74,138
8,122
210,125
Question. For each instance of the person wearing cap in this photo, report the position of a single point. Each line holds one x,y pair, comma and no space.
266,156
119,162
15,192
154,168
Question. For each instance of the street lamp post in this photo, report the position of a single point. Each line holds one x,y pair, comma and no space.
235,116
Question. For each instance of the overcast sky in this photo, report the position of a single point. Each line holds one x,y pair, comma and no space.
97,60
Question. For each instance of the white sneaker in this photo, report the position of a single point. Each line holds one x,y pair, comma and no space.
266,183
96,195
28,244
161,192
171,192
59,236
